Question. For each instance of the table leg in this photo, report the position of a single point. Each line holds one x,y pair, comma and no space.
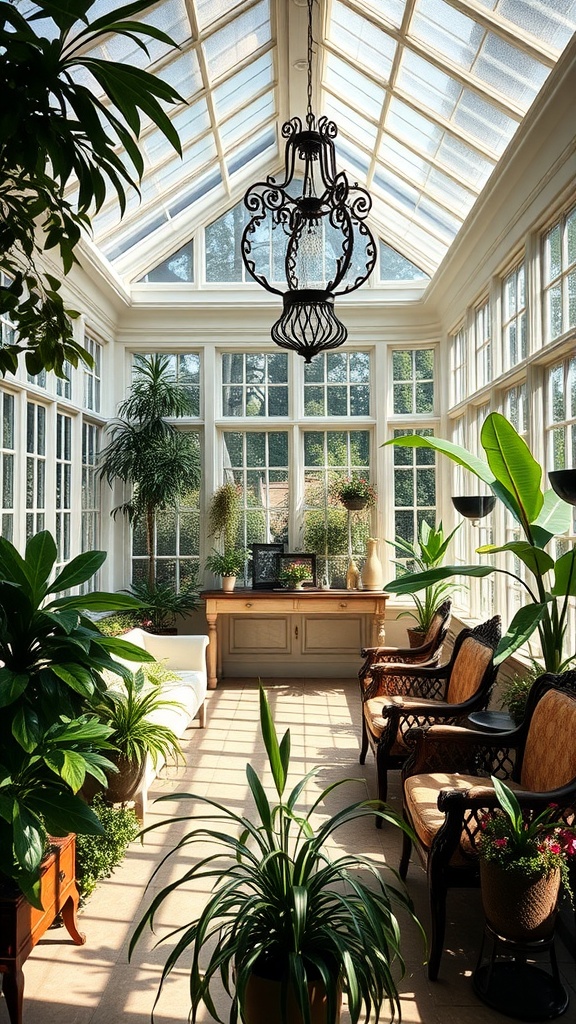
13,989
379,625
212,651
69,918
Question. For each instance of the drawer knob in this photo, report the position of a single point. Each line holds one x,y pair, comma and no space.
61,876
343,604
248,604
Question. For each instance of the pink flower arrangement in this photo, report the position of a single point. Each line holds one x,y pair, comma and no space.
356,487
531,844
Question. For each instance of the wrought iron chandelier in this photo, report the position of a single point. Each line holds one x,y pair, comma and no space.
319,238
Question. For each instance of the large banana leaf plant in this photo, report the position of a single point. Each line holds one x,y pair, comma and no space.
65,111
52,658
549,582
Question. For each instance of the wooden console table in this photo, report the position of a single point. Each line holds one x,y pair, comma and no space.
288,602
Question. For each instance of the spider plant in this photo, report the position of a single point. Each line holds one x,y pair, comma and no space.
128,710
280,908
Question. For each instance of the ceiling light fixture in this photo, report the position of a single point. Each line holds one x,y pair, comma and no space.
318,239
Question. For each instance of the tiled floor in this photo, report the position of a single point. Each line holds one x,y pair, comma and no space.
95,983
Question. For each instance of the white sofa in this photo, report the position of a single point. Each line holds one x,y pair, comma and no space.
186,657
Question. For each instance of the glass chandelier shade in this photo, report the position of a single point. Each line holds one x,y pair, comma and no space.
312,224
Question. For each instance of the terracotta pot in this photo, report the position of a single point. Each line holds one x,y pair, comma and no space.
354,504
416,637
263,1003
228,584
516,907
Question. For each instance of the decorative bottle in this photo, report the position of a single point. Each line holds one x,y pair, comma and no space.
372,573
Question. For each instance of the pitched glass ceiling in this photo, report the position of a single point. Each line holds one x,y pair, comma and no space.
426,94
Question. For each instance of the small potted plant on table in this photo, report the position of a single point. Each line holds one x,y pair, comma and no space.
227,564
293,574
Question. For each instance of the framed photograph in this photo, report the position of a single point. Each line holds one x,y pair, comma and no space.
266,565
300,557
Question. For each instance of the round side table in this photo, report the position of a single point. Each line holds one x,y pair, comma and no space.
492,721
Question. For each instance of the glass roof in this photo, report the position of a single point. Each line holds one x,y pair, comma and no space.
426,95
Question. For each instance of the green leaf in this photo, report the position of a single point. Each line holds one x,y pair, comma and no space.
555,517
69,765
271,744
565,575
260,798
78,571
13,568
26,728
508,802
28,837
514,467
63,813
41,554
77,678
99,601
519,631
454,451
124,649
412,582
12,684
538,561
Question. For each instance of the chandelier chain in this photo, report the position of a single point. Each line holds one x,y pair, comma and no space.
309,114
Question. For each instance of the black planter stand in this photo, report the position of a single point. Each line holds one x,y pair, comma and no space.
507,980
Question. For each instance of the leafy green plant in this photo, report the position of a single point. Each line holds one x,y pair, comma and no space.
147,452
279,905
355,487
224,515
115,625
515,694
55,128
97,856
515,478
227,563
52,657
161,604
294,572
427,552
127,709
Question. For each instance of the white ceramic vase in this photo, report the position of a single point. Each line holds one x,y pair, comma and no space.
372,573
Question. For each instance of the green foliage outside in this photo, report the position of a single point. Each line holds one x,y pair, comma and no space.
63,113
97,856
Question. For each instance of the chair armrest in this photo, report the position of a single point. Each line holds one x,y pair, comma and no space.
406,680
414,671
452,748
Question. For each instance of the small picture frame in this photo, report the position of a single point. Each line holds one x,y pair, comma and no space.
266,565
301,556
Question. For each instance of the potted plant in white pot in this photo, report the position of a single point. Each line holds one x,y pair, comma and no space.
289,922
227,564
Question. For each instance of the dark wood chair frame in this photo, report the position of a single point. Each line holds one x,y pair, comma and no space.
425,682
445,749
428,653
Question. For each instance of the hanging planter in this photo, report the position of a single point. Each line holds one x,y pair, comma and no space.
354,504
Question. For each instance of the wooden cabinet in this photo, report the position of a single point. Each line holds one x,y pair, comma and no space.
22,926
291,633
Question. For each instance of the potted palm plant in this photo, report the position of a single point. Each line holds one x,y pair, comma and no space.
147,452
128,708
427,552
291,925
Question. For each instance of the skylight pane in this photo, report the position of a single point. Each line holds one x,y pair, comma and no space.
257,145
421,173
438,92
551,22
349,121
447,31
239,89
170,16
359,91
359,39
238,40
183,74
209,11
509,70
247,120
389,10
192,121
352,158
459,158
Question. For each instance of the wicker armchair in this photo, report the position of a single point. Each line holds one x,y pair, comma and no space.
427,653
400,698
446,788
